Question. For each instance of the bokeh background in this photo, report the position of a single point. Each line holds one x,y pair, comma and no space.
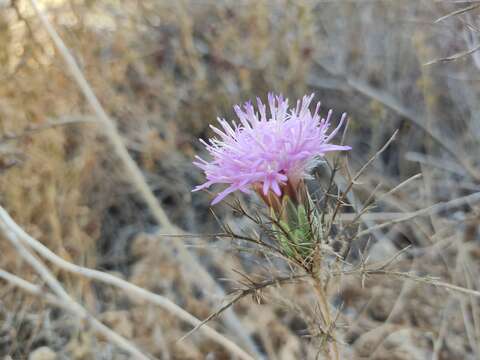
164,70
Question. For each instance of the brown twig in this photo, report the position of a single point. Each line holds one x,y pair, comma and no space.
355,178
7,224
457,12
254,288
60,292
453,57
441,206
327,318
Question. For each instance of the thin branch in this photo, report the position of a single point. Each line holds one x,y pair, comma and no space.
134,291
369,202
425,280
32,289
60,292
402,184
366,207
454,57
433,209
356,177
254,288
457,12
382,269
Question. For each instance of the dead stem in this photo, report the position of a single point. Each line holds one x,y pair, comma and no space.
325,311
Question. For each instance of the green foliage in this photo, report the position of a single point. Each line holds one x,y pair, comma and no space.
296,229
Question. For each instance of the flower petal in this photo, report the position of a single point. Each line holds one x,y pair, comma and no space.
267,148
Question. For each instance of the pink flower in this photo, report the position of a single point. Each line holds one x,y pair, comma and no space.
267,151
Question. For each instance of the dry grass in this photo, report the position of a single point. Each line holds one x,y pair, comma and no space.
165,70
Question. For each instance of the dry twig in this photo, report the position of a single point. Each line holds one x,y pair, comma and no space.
136,292
433,209
69,302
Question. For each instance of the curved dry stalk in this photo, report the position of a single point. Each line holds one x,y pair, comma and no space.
69,302
138,181
31,289
7,223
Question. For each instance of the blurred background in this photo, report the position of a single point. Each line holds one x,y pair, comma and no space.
164,70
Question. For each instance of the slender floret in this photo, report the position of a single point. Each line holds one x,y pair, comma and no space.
267,151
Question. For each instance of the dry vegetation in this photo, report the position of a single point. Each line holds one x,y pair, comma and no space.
163,70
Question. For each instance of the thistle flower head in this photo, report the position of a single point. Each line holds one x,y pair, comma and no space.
267,150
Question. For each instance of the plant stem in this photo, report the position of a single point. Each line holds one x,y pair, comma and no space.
325,310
